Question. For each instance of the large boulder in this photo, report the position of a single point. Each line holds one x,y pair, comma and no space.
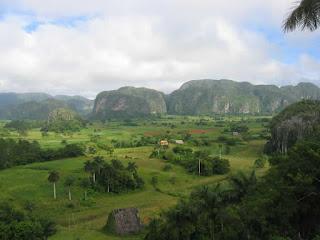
124,221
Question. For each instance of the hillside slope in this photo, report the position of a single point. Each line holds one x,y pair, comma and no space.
299,121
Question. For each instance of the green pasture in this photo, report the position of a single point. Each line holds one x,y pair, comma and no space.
81,219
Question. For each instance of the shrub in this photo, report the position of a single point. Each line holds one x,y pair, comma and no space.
154,181
167,167
260,163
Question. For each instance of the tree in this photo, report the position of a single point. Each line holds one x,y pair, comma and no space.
68,183
54,177
242,183
110,150
200,157
18,225
97,165
85,183
94,167
305,16
132,167
154,181
88,167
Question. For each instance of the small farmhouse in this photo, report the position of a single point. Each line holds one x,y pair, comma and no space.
180,142
164,143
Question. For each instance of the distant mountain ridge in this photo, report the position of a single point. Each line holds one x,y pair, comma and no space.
230,97
37,106
196,97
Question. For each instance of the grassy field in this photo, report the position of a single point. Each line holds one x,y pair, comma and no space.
85,219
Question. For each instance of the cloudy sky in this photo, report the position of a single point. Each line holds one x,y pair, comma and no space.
84,47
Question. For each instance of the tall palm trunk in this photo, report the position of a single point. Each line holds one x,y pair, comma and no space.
54,191
85,195
70,197
94,177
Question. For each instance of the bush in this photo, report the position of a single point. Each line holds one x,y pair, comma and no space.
167,167
173,180
16,225
260,163
239,127
220,166
154,181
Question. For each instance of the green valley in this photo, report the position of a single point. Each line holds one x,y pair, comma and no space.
132,141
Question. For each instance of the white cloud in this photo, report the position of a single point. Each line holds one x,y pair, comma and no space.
158,44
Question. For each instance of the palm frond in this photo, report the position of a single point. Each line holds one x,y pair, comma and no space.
304,16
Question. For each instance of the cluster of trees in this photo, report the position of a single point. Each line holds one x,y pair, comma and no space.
58,126
13,153
23,126
113,176
239,127
62,126
70,181
227,140
142,141
18,225
282,205
197,162
108,177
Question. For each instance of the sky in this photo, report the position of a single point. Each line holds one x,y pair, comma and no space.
82,47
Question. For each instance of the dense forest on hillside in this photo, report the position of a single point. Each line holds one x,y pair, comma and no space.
297,122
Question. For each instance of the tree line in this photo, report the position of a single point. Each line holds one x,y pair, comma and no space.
21,152
196,162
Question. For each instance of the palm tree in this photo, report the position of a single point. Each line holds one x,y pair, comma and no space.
68,183
97,165
132,167
85,183
305,16
88,167
108,173
211,203
54,177
242,184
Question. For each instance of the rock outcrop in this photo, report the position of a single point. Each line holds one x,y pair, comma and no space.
124,221
128,102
